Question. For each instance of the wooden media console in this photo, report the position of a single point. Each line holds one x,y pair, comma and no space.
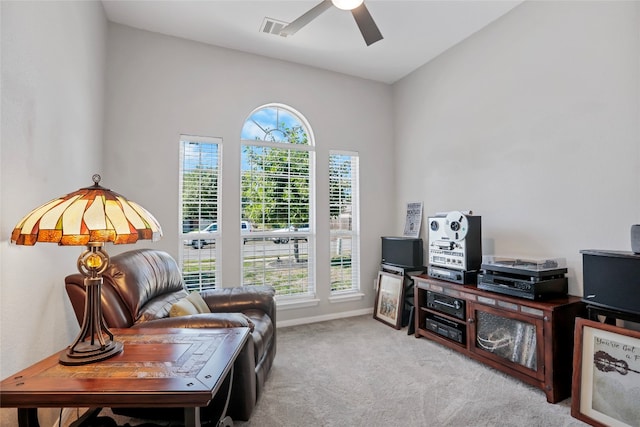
529,340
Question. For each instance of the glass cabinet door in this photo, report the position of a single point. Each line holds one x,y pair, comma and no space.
508,337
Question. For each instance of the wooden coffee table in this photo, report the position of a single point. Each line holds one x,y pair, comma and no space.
158,368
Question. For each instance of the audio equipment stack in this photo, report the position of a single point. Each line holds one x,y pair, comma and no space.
524,278
455,247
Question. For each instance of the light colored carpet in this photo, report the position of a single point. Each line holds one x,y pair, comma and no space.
361,372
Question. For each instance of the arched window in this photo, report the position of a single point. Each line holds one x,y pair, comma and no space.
276,123
277,170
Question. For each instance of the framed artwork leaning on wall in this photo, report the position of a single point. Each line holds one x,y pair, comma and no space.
389,299
606,374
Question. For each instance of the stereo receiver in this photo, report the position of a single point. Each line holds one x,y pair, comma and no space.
455,276
534,279
446,304
445,327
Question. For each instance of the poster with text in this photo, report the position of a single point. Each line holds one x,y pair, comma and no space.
610,382
414,219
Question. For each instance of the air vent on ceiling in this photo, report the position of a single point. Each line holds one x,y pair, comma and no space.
271,26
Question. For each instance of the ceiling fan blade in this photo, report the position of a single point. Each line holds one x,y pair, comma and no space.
367,25
309,16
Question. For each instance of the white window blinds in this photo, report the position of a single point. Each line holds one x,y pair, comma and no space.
277,198
199,207
344,226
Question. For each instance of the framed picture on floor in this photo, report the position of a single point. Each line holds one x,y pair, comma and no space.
606,374
389,299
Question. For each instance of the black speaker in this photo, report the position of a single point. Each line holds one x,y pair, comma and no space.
635,238
612,280
402,251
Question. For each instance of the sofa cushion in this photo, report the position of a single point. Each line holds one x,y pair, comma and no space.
196,299
191,304
182,308
140,276
159,307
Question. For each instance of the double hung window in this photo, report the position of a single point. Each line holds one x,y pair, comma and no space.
199,208
344,226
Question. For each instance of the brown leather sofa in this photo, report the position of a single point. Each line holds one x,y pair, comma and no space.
139,289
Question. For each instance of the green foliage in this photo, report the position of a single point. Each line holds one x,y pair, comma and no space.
199,197
275,186
341,271
339,184
339,192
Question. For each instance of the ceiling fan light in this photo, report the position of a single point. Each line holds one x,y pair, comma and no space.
347,4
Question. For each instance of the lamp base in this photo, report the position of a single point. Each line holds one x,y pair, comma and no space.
85,356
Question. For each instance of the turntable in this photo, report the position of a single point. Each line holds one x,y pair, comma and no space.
525,267
525,278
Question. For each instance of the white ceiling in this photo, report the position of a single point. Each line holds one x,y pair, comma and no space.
414,31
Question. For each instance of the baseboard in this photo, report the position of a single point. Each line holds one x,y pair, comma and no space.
323,318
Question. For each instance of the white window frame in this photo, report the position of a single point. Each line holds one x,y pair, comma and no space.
308,297
200,256
353,234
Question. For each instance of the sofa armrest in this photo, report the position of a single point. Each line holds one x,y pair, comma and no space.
203,320
242,298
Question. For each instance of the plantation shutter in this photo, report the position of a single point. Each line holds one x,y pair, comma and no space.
276,189
344,216
199,206
277,198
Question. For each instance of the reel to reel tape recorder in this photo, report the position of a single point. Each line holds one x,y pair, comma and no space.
455,247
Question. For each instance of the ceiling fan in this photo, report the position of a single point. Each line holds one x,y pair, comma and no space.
360,13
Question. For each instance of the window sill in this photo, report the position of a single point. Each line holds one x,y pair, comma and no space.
347,297
290,304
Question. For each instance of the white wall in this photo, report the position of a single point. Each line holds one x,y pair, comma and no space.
51,136
532,123
159,87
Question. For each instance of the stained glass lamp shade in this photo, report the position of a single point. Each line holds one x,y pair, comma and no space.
89,217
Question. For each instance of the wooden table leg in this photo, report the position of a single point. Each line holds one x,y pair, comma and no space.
225,420
192,417
28,417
